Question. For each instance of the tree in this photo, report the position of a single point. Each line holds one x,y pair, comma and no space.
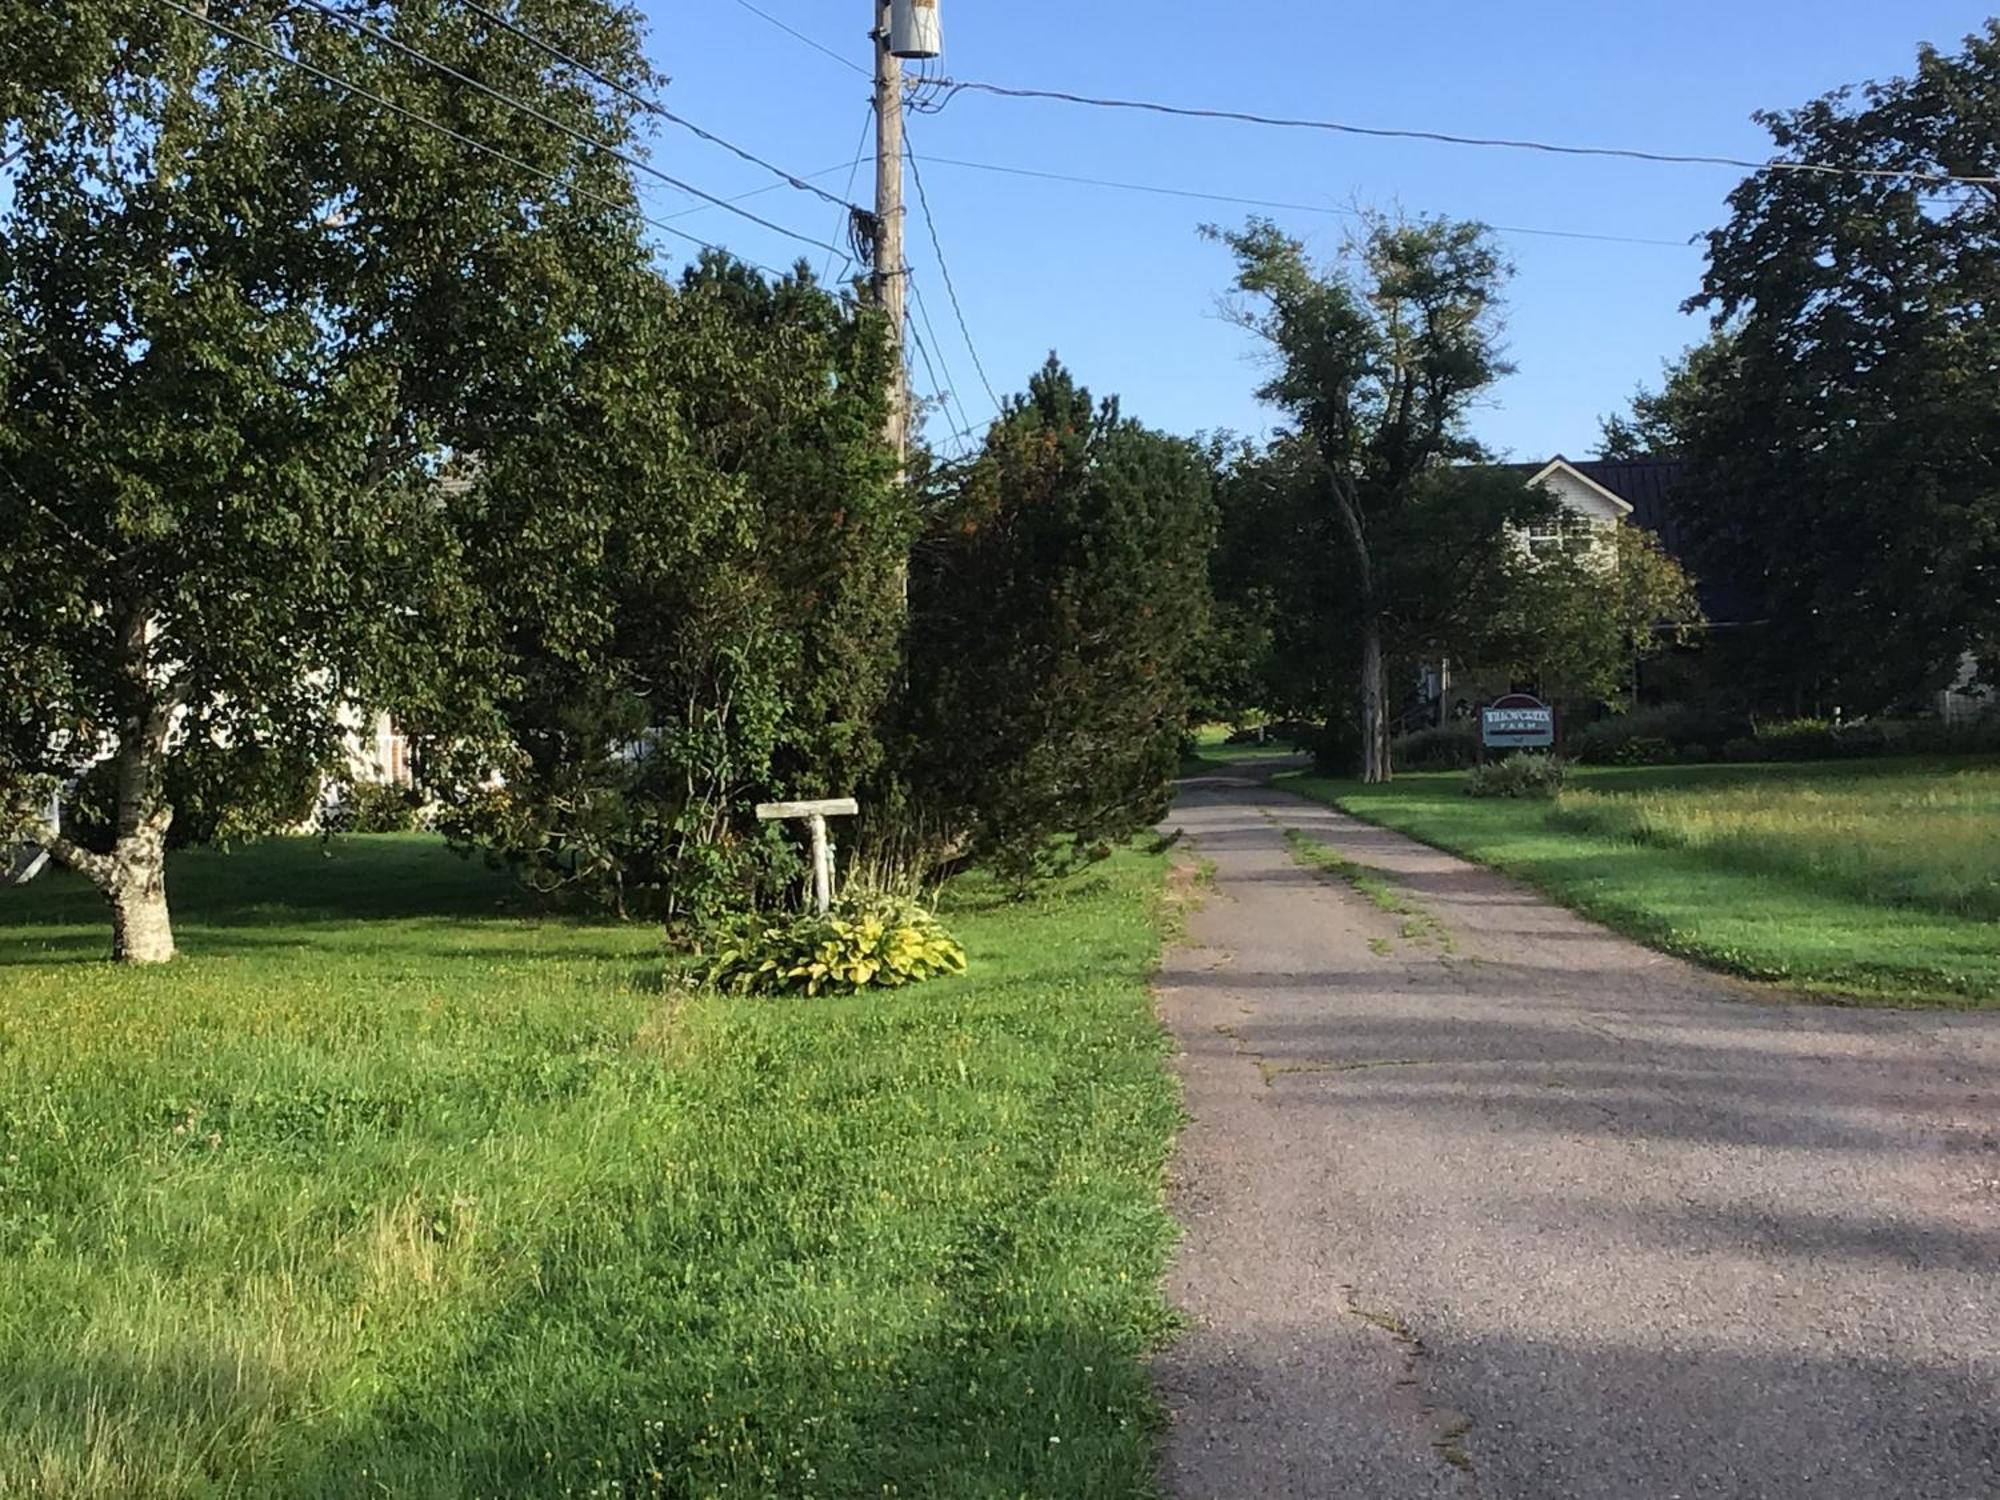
248,317
1844,439
1379,360
1058,597
692,570
1576,619
1663,421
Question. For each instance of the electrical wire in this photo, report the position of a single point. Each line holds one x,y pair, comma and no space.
948,392
861,154
924,353
654,107
1929,179
789,179
845,62
636,163
514,28
1308,208
944,270
350,87
848,167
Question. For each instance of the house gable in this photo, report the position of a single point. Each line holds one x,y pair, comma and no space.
1579,494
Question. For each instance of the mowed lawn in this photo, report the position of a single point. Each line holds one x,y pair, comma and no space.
1877,881
388,1188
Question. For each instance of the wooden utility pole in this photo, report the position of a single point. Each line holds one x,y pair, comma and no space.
892,288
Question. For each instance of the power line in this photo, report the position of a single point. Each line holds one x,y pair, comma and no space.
845,62
948,392
1929,179
924,353
944,269
789,179
516,29
1309,208
350,87
861,154
636,163
654,107
772,187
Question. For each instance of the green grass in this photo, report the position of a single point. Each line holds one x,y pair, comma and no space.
388,1188
1877,882
1418,924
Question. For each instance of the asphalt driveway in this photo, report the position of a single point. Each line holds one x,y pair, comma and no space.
1483,1200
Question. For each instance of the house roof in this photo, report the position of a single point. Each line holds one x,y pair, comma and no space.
1647,485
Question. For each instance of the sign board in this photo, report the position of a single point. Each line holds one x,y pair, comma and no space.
1517,722
815,815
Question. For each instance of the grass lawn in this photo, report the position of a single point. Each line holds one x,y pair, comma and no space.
1877,881
388,1188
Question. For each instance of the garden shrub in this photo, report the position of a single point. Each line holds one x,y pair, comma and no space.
1651,736
1529,774
371,807
870,943
1448,747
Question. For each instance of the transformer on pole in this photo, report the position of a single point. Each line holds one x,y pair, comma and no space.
914,32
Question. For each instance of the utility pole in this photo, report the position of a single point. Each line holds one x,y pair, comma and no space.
892,288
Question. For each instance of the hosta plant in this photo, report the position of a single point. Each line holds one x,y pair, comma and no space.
866,944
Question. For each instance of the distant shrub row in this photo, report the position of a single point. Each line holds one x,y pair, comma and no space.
1683,735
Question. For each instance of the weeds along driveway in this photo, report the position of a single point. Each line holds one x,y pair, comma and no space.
1482,1200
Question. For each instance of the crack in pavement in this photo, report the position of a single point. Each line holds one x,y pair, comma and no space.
1663,1236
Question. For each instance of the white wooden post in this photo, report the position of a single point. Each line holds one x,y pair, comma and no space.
815,815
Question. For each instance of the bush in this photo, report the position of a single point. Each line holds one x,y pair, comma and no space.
1449,747
373,807
1651,736
866,944
1529,774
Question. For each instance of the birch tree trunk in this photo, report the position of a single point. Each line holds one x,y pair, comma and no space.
133,876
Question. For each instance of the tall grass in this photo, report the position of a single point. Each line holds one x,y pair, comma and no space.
390,1188
1931,842
1877,881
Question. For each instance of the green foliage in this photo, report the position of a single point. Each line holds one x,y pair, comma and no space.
373,807
1530,773
1651,736
1575,619
693,611
1379,360
394,1175
1058,598
1841,434
1448,747
1874,881
244,319
859,945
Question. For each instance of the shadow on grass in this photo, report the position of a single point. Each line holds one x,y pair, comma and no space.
221,898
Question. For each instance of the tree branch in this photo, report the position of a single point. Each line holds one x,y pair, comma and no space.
96,868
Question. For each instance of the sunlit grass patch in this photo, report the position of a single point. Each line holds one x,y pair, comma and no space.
392,1187
1875,882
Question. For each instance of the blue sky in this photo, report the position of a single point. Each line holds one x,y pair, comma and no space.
1121,285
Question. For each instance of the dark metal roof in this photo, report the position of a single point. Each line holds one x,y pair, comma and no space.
1647,485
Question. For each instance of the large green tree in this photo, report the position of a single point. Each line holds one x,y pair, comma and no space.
246,317
1378,361
692,564
1844,433
1058,598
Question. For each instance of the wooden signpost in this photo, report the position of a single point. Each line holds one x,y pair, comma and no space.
815,815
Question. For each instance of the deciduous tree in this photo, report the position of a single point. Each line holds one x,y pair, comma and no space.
1378,361
245,318
1844,437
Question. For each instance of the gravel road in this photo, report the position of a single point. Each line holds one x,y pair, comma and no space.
1488,1202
